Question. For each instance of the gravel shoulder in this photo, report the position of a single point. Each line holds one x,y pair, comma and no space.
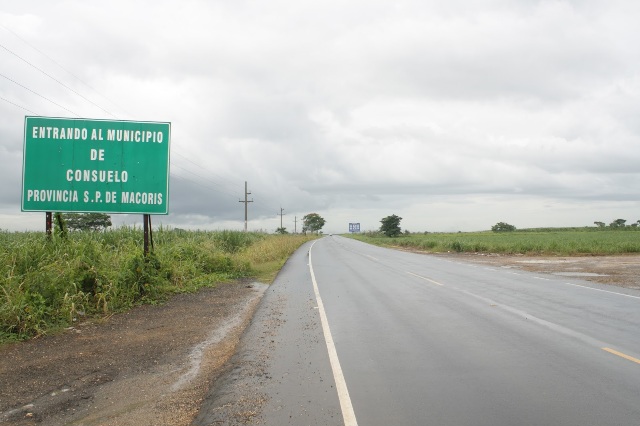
150,366
618,271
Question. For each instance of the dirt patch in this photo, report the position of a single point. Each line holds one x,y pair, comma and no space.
621,271
150,366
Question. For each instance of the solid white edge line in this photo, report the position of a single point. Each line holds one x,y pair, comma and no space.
605,291
348,415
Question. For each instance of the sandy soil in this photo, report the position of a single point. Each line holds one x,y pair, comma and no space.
620,271
150,366
155,364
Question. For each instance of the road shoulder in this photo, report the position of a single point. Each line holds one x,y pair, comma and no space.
281,374
152,365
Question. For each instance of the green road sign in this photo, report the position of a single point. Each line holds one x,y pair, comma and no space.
82,165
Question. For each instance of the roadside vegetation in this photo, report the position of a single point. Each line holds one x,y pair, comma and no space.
48,284
548,241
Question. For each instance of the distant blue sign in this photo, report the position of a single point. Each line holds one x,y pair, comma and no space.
354,227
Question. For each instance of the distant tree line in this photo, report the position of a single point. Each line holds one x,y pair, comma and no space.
617,224
391,226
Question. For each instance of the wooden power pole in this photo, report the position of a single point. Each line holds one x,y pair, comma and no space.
246,203
281,214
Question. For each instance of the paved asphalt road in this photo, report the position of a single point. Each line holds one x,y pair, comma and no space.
421,340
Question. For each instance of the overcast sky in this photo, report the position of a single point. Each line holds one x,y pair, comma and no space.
453,114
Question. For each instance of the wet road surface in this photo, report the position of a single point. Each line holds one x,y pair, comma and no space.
355,334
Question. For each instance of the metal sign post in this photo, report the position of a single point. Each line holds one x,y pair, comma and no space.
148,233
49,224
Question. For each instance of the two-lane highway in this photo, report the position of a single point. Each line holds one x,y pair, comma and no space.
409,339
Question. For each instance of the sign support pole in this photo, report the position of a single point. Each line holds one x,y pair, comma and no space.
147,231
48,224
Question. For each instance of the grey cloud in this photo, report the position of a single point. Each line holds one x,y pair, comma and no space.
338,107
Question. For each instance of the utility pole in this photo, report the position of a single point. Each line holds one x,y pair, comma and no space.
246,203
281,214
295,224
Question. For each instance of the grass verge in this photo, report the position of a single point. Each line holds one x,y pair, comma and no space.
561,242
49,284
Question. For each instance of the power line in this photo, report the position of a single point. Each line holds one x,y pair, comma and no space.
56,80
183,178
264,207
205,179
222,190
204,186
261,206
174,176
38,94
232,183
203,168
19,106
200,179
93,103
63,68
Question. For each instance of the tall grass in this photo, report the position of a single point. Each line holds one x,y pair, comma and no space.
48,284
564,242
